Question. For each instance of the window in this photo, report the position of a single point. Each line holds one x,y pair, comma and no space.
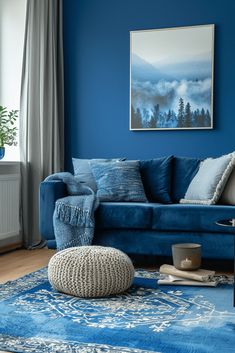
12,24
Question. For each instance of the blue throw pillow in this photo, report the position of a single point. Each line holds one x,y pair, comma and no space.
118,181
183,171
156,177
83,173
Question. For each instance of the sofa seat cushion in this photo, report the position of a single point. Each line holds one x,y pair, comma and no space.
197,218
123,215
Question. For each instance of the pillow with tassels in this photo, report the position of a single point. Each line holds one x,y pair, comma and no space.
208,184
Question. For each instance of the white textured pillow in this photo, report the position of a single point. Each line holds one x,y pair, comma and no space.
210,180
228,195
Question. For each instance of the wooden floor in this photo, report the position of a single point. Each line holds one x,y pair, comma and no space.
20,262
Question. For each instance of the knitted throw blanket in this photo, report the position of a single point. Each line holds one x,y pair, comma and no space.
73,217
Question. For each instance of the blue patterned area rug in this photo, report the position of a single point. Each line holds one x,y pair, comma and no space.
35,318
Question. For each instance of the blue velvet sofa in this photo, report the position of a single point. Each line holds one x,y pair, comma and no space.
151,228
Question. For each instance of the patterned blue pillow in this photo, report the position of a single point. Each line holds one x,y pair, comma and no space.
119,181
82,170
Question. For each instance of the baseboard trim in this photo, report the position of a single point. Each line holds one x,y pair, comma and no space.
10,247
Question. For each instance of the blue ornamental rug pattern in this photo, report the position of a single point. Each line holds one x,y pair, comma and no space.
146,319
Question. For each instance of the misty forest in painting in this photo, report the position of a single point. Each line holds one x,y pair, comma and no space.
171,78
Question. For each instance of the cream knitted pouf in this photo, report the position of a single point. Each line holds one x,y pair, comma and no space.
90,271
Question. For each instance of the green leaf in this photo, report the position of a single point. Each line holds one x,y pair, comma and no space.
7,126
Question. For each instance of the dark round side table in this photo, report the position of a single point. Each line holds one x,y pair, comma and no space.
230,223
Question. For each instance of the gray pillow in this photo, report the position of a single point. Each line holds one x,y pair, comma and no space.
83,173
120,181
210,180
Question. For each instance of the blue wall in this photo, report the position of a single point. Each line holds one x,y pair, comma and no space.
96,54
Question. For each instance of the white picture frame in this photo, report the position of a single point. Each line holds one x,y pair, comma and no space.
171,78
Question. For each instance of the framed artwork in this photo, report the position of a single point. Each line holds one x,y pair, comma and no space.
171,78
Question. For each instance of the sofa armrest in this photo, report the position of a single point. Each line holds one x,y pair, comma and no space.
49,192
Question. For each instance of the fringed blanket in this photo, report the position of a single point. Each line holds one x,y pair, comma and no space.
73,217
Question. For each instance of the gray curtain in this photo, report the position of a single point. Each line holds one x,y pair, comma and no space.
42,107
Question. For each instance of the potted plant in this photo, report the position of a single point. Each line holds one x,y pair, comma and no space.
8,130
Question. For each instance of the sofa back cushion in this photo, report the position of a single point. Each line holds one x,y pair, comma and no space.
183,171
156,177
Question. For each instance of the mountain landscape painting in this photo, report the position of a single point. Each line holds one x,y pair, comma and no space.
172,78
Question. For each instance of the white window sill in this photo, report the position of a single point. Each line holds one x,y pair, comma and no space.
12,154
5,162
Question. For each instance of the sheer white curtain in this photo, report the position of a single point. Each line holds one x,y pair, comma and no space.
42,107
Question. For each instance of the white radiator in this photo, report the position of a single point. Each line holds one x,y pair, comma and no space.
9,205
